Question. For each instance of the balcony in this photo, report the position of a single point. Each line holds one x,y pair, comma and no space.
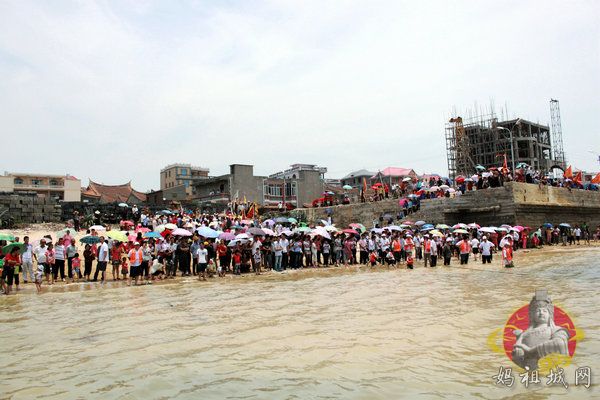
30,186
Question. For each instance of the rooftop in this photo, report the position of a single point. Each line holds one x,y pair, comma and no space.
181,165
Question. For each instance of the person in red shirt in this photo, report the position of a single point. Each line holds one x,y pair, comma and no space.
237,262
11,261
222,254
115,256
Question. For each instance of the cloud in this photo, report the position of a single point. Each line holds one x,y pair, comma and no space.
116,90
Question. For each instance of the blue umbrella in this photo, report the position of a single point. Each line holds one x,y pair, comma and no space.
152,235
565,225
281,220
90,239
547,225
207,232
427,227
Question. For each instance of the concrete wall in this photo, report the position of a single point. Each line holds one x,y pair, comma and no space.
248,185
309,186
7,184
514,203
72,190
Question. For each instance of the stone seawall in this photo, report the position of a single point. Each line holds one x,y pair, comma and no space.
514,203
29,208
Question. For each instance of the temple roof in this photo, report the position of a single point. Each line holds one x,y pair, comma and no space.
112,193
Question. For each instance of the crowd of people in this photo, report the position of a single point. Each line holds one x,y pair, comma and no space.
169,244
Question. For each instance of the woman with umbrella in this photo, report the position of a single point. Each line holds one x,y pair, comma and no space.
11,262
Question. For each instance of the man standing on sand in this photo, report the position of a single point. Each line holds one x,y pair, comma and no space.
486,250
27,260
102,258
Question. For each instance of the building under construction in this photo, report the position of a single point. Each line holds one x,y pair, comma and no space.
484,140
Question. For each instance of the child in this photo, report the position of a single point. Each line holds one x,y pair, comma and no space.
257,259
237,262
76,264
409,261
507,255
389,258
50,264
39,277
124,268
220,271
373,258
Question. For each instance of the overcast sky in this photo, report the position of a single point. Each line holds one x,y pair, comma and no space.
114,91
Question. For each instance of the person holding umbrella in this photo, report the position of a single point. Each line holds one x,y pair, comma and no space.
11,262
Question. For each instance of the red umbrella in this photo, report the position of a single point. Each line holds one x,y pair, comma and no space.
350,231
460,179
165,233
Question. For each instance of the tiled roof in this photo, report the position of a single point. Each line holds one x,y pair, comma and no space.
112,193
394,171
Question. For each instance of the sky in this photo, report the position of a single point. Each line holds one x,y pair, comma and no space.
116,90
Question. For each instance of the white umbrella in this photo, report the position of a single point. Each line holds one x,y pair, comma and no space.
123,205
444,187
171,226
242,236
322,232
434,189
97,228
407,179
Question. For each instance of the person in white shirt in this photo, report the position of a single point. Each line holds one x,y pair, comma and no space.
434,252
102,259
475,248
202,256
27,260
285,243
486,250
60,253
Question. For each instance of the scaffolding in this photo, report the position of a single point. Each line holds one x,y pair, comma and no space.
481,139
557,140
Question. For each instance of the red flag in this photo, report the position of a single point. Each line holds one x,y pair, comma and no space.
568,173
596,179
578,178
505,165
364,185
250,213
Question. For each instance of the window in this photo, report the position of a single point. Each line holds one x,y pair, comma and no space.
53,182
183,171
36,182
18,181
186,183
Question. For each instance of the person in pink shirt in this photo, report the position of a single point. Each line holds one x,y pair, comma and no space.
67,238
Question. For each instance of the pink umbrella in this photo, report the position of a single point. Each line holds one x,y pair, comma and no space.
518,228
132,238
350,231
268,231
181,232
226,236
142,229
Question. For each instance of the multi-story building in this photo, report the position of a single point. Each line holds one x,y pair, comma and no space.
61,187
355,179
181,175
299,185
